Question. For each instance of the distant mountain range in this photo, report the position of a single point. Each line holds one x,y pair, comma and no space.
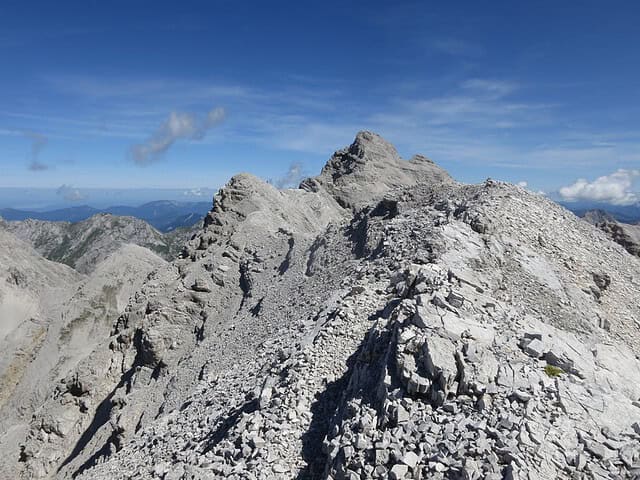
622,213
163,214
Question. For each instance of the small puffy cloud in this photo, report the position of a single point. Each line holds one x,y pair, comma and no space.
38,141
197,192
522,184
292,178
71,194
178,126
615,188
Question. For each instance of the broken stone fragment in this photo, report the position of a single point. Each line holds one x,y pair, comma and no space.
398,472
597,449
410,459
382,456
455,299
402,416
362,442
418,384
532,336
265,394
279,468
535,348
559,358
201,285
521,396
602,281
426,316
406,335
257,442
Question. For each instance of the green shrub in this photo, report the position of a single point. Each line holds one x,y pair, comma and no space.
553,371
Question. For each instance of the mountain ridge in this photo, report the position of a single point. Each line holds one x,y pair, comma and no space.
83,245
165,215
382,321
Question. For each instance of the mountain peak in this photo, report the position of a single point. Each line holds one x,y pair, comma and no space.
368,169
370,146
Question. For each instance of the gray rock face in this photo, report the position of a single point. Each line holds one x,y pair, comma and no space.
622,233
370,167
51,318
83,245
383,321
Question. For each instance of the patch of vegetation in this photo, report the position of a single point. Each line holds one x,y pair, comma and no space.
163,250
59,252
74,256
553,371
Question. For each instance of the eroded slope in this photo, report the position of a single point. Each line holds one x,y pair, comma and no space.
83,245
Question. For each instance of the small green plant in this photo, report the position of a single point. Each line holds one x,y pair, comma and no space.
553,371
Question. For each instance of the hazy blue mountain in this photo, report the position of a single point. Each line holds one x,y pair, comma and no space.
71,214
163,214
622,213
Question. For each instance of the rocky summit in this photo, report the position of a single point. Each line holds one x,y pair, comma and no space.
381,321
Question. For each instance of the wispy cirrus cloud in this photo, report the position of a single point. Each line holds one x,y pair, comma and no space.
177,126
159,89
38,142
492,87
475,120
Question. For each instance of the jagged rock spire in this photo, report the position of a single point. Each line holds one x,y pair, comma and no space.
369,168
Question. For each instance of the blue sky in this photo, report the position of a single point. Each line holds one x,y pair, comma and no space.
143,94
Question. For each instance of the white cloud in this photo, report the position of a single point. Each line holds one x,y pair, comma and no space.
71,194
198,192
178,126
522,184
157,89
292,178
615,188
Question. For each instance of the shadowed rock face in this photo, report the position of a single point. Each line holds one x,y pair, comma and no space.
622,233
382,321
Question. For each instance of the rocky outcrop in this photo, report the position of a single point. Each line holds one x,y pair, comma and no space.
622,233
361,175
30,290
40,352
382,321
83,245
462,341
